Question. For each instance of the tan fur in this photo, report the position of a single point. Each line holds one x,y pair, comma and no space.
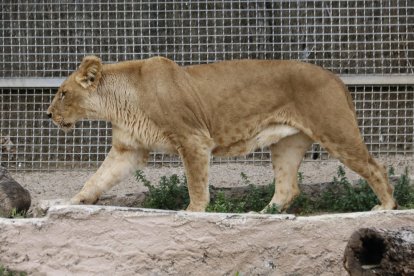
226,108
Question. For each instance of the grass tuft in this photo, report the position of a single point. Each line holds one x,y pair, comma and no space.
342,196
6,272
404,191
170,194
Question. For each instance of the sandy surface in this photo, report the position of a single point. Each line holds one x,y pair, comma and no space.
94,240
65,184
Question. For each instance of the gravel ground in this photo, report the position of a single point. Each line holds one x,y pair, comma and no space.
65,184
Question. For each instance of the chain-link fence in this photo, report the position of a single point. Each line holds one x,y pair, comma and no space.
369,43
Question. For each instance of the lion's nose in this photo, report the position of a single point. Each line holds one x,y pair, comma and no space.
49,114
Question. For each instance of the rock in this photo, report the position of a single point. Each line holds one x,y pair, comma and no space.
127,200
40,209
12,195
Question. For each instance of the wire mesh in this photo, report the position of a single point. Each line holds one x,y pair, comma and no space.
47,39
32,142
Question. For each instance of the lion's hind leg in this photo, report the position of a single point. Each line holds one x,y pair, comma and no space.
287,154
348,146
362,163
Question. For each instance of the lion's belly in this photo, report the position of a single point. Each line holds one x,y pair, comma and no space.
266,137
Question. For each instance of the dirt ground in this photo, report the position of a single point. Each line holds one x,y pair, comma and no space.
65,184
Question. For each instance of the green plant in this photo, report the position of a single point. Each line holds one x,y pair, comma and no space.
257,197
17,214
404,191
360,197
14,213
272,209
300,177
391,171
223,204
302,205
170,194
342,196
6,272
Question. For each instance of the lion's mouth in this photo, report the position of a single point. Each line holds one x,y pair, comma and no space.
66,126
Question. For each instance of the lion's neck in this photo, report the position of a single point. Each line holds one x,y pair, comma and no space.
112,96
117,102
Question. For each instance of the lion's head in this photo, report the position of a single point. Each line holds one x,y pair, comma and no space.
70,102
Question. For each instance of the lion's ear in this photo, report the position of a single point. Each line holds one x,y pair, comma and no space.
90,72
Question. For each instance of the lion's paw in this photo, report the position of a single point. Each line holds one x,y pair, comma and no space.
80,199
196,208
274,208
384,207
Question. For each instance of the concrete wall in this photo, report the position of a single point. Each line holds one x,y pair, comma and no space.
95,240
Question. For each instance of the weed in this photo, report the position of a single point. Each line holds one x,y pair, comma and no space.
391,171
404,191
271,209
300,177
302,205
257,197
139,175
222,204
340,196
170,194
245,179
14,213
6,272
17,214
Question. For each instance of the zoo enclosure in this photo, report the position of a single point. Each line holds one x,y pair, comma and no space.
370,44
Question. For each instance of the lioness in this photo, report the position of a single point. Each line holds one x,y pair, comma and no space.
223,109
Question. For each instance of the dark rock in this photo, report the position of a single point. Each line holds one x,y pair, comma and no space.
12,195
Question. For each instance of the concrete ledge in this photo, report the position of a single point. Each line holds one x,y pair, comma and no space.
350,79
101,240
31,82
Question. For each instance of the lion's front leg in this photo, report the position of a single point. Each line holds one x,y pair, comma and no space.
196,159
119,164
